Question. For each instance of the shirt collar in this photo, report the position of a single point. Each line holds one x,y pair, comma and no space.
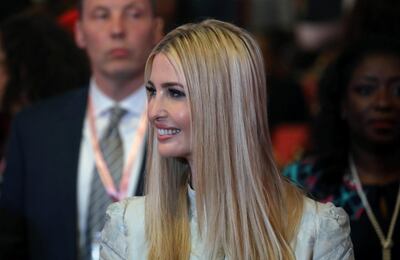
192,201
135,103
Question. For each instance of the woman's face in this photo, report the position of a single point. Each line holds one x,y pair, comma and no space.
372,103
168,109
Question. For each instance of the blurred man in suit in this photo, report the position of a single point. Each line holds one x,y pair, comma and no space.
70,156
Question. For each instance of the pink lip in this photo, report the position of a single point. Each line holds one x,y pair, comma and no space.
165,137
162,126
119,53
162,138
382,123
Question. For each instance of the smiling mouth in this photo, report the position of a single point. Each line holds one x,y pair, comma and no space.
163,132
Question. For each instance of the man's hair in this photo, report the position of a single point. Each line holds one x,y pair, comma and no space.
153,4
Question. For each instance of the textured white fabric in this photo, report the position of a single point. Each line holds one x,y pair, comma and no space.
324,232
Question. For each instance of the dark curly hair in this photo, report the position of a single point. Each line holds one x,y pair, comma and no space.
41,59
330,130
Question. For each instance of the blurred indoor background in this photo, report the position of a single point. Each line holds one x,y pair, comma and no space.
298,37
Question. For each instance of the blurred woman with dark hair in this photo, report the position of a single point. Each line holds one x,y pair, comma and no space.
38,59
357,145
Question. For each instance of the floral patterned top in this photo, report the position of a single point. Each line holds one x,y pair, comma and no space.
381,198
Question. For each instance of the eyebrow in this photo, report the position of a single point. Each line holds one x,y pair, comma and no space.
171,84
133,6
150,83
368,78
166,84
125,7
98,8
372,79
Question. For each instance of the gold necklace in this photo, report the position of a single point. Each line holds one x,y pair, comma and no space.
386,243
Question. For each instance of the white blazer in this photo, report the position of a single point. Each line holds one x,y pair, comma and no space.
323,234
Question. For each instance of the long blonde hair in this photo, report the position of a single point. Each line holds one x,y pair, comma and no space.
245,209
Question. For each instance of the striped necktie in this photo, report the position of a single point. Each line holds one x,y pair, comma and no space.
112,149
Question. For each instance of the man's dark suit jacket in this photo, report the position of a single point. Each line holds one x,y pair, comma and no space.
38,204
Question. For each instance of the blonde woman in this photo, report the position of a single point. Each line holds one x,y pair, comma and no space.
213,191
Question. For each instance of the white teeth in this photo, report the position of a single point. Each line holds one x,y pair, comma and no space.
168,131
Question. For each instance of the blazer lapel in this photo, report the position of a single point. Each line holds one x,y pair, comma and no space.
68,131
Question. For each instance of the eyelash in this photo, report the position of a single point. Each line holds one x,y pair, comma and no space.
367,90
364,89
150,91
174,93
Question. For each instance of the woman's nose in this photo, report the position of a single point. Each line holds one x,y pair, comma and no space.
383,98
156,109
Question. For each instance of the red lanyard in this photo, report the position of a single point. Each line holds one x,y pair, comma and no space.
101,165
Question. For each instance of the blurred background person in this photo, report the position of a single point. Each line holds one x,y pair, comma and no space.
280,24
372,17
36,53
356,163
60,151
288,112
10,8
38,59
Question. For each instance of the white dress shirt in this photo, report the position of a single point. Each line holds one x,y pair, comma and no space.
135,104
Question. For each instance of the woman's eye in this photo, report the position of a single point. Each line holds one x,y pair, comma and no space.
151,91
364,89
176,93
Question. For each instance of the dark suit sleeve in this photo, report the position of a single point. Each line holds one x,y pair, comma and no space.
13,242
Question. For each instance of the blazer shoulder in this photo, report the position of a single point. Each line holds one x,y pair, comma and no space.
328,226
324,211
124,220
72,102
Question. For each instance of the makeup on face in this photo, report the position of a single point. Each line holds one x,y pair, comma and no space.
168,109
372,104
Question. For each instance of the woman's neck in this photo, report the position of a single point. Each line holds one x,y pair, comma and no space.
376,168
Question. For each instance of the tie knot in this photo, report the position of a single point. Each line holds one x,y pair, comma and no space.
116,114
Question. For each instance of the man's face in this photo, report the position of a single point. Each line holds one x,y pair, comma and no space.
118,36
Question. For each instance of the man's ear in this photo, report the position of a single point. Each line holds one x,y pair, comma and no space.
79,37
158,29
